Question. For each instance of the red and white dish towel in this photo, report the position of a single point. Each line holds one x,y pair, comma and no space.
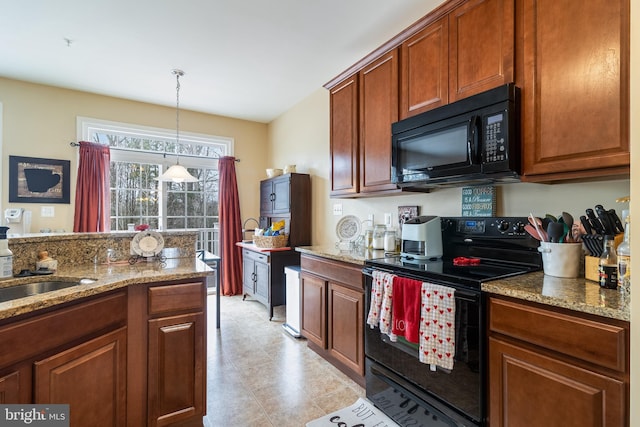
437,325
406,313
381,296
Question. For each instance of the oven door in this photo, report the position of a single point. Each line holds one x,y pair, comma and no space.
462,388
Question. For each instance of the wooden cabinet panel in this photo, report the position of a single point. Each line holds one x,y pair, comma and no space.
424,80
481,42
275,195
171,298
176,369
90,377
262,282
344,138
592,341
539,391
576,89
314,309
15,385
89,317
346,320
378,109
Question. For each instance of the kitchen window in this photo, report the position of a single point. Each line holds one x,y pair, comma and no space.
140,154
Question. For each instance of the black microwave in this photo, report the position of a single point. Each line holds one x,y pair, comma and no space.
472,141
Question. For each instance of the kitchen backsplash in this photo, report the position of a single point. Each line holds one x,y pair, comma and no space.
83,248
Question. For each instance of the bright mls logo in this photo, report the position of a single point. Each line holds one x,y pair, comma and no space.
34,415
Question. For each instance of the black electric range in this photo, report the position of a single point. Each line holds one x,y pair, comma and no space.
474,250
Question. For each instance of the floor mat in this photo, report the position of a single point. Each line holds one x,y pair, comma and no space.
361,413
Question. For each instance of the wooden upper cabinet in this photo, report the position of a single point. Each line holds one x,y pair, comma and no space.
424,69
378,109
467,51
481,47
575,88
344,137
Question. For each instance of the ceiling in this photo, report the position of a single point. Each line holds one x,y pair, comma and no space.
248,59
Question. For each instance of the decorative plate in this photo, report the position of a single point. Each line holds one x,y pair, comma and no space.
348,228
147,244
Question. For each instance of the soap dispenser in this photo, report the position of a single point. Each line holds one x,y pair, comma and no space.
6,256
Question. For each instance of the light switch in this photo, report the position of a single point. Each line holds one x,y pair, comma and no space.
47,211
337,209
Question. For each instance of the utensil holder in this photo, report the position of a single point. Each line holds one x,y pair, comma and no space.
561,259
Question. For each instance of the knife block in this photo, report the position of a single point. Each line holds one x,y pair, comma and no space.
592,263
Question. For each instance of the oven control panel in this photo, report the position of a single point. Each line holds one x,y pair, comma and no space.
486,226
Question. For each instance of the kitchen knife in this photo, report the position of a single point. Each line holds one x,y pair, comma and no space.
588,243
616,220
585,223
607,223
595,222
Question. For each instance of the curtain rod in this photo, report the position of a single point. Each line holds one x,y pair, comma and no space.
75,144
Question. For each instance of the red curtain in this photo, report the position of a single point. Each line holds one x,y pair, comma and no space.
230,227
92,189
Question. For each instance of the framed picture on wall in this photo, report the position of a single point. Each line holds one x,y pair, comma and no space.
36,180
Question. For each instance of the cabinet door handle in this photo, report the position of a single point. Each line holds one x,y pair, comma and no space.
272,196
253,277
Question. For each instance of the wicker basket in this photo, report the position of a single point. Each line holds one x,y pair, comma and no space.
271,241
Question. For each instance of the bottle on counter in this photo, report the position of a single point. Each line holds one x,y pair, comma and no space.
378,236
6,256
624,259
608,266
390,240
368,238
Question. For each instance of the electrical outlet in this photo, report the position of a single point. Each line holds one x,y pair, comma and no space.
47,211
387,219
337,209
370,219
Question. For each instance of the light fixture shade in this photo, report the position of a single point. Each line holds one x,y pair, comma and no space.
177,173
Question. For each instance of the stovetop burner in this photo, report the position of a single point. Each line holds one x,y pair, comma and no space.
496,247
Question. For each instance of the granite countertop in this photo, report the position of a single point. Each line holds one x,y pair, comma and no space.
332,252
576,294
107,277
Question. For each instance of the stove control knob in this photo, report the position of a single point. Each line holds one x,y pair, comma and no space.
503,226
519,227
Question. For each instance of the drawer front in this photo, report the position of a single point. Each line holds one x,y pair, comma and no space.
41,333
256,256
336,271
179,297
592,341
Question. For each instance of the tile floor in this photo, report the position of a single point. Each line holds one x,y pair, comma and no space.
260,376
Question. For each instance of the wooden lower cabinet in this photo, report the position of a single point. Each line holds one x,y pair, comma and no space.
176,370
132,357
346,320
550,367
314,309
90,377
333,312
15,385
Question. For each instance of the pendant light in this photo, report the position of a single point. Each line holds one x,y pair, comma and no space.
177,172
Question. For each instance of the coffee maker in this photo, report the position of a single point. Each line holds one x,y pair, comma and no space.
422,238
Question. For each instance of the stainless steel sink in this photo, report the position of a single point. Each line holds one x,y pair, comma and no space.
29,289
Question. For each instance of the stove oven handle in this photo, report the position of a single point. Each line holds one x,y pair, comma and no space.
462,294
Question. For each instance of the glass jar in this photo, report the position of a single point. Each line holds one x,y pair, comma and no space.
378,236
368,238
390,240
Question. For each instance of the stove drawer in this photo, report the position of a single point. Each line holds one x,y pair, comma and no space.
593,341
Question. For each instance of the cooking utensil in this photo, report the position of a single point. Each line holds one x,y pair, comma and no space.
555,231
537,223
567,218
616,220
586,224
607,223
532,231
594,221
